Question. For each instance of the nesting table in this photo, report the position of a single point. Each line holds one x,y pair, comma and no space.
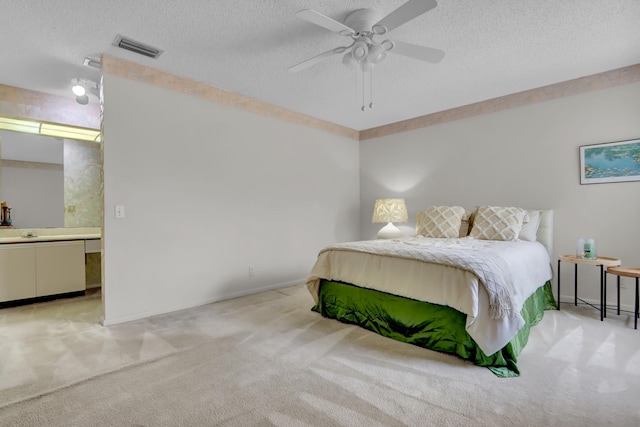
601,262
633,272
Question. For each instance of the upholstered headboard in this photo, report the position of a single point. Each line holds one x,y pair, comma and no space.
545,230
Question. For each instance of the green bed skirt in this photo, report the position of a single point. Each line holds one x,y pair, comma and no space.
427,325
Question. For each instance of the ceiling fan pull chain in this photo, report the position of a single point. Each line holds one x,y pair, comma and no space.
371,88
363,86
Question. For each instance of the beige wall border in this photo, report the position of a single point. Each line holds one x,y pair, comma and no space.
21,103
28,104
577,86
140,73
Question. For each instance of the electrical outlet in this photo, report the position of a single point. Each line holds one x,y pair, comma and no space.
251,272
71,209
119,211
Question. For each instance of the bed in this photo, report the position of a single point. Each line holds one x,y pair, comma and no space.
471,284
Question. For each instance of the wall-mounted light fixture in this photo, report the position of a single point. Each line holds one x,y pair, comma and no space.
81,89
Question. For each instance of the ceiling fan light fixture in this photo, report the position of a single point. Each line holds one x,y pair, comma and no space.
360,51
377,53
348,61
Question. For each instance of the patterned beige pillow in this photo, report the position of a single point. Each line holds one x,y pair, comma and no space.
441,221
498,223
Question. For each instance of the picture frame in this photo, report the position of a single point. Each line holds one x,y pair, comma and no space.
610,162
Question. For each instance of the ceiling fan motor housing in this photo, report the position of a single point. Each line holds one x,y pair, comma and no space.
362,21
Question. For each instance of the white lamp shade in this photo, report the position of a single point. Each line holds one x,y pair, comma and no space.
390,210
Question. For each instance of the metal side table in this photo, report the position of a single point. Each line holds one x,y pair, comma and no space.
633,272
601,262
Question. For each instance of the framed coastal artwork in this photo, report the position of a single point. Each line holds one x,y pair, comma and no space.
610,162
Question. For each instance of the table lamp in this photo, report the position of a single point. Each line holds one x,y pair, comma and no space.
390,211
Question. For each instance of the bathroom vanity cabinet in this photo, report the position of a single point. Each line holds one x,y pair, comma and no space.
31,270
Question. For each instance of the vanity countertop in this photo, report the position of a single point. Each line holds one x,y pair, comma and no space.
49,235
59,237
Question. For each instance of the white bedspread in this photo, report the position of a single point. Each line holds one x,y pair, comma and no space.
489,281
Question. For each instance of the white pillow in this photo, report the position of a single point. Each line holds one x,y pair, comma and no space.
441,221
498,223
529,229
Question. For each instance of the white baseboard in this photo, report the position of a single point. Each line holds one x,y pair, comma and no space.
171,309
569,299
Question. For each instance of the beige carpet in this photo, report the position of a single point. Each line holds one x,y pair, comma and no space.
266,359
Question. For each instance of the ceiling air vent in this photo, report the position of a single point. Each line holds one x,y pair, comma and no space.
136,47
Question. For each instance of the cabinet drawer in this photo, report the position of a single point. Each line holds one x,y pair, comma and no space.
92,246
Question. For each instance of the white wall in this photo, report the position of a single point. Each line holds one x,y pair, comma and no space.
209,191
526,157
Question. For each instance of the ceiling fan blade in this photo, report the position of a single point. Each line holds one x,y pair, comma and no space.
324,21
318,58
422,53
405,13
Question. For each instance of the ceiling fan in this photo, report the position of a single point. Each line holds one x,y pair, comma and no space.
362,26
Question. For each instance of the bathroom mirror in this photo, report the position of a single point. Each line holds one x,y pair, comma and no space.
50,181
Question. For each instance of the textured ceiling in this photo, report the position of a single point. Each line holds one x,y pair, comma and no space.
493,48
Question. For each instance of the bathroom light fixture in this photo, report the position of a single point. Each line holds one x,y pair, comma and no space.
81,89
390,211
49,129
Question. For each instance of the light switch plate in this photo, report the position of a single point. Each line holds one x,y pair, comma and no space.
119,211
